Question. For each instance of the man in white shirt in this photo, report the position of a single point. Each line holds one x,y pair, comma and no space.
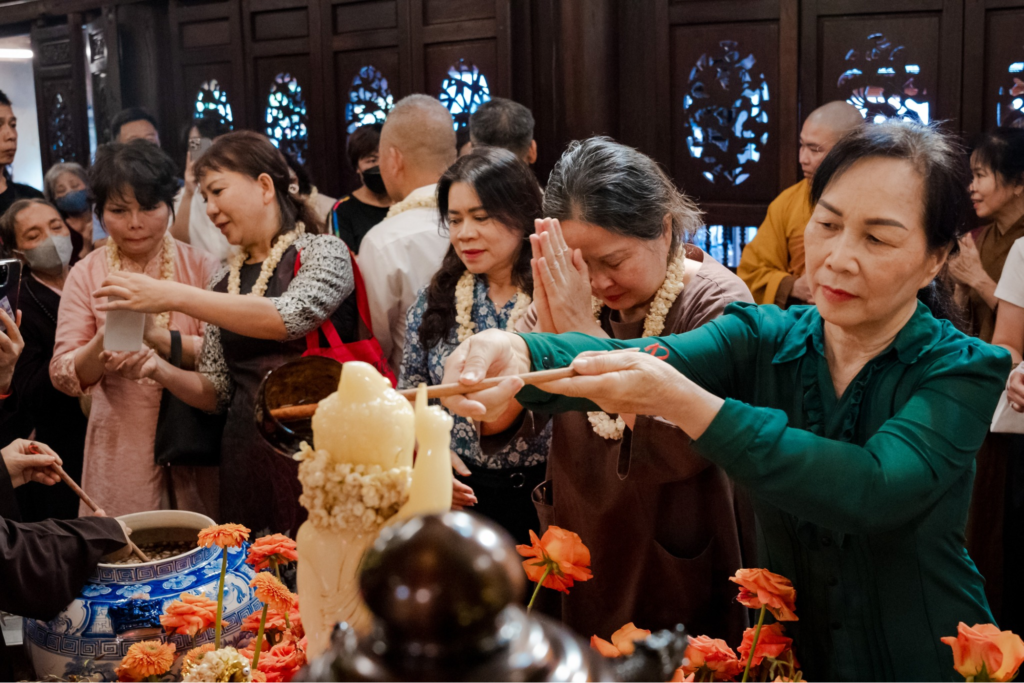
400,254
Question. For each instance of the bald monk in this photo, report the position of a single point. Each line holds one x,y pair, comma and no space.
773,263
401,253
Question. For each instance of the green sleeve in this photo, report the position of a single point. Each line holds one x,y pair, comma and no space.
901,471
714,355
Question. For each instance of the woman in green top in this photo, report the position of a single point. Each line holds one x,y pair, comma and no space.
853,423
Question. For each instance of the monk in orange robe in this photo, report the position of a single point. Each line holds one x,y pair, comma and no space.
773,263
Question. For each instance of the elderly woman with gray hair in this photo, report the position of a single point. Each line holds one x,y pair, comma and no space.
611,261
66,186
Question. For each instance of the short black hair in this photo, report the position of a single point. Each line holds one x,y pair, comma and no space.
211,125
1002,151
363,141
129,115
139,165
937,156
502,123
4,100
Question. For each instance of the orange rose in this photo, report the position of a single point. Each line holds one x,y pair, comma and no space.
561,553
271,591
712,658
761,588
282,662
223,536
622,641
679,677
148,658
190,616
259,677
771,643
985,650
277,547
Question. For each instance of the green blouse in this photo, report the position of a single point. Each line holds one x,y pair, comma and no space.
862,499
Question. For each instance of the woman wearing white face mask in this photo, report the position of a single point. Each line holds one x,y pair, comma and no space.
33,231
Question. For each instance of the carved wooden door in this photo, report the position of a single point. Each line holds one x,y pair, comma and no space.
59,67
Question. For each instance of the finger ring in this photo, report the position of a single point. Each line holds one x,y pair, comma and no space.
558,254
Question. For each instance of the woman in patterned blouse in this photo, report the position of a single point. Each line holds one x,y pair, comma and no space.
489,201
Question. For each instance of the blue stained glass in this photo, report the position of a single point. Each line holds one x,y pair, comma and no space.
463,91
369,99
212,99
286,117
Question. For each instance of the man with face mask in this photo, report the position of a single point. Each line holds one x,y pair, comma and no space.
354,215
33,231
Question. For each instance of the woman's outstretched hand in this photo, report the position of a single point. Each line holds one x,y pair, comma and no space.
561,283
132,365
491,353
137,292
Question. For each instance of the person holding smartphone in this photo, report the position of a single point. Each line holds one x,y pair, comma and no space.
191,224
134,186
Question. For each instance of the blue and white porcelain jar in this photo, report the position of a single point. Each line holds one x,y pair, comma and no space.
122,603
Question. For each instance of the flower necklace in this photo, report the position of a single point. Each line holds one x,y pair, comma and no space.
464,307
166,270
422,202
269,264
654,324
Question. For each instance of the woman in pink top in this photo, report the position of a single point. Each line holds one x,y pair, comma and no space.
134,185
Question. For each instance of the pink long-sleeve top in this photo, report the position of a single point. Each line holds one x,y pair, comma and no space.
119,472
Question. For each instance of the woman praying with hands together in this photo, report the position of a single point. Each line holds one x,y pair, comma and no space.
665,528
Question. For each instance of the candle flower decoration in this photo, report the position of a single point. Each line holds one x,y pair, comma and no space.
223,536
356,479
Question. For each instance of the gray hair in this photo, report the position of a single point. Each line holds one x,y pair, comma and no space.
605,183
502,123
54,174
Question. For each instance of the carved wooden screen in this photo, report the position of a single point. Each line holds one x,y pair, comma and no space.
993,65
721,116
887,59
59,68
101,49
206,41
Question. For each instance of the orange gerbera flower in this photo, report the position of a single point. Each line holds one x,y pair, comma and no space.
223,536
195,653
712,658
985,650
760,587
190,616
272,592
276,546
559,552
149,658
623,641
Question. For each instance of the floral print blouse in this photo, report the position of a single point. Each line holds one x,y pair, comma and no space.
427,365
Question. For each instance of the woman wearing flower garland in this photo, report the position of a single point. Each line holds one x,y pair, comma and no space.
489,201
662,523
134,186
293,281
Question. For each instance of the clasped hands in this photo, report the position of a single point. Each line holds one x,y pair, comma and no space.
561,283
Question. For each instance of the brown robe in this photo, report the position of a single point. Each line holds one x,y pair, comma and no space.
43,565
985,525
665,528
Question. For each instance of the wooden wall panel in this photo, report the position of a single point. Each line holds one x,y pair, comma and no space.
59,66
993,64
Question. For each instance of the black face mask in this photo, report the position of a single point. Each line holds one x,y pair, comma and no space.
373,181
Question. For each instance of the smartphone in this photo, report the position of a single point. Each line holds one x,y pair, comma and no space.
10,285
124,330
198,146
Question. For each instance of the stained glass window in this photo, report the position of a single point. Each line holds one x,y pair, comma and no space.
880,79
1010,107
726,116
724,242
212,98
463,91
59,124
369,99
286,117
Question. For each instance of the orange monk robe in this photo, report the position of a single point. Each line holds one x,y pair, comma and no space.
775,257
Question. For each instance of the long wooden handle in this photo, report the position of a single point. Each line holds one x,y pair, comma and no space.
304,412
66,478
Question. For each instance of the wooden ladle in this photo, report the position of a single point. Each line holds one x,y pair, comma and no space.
306,411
